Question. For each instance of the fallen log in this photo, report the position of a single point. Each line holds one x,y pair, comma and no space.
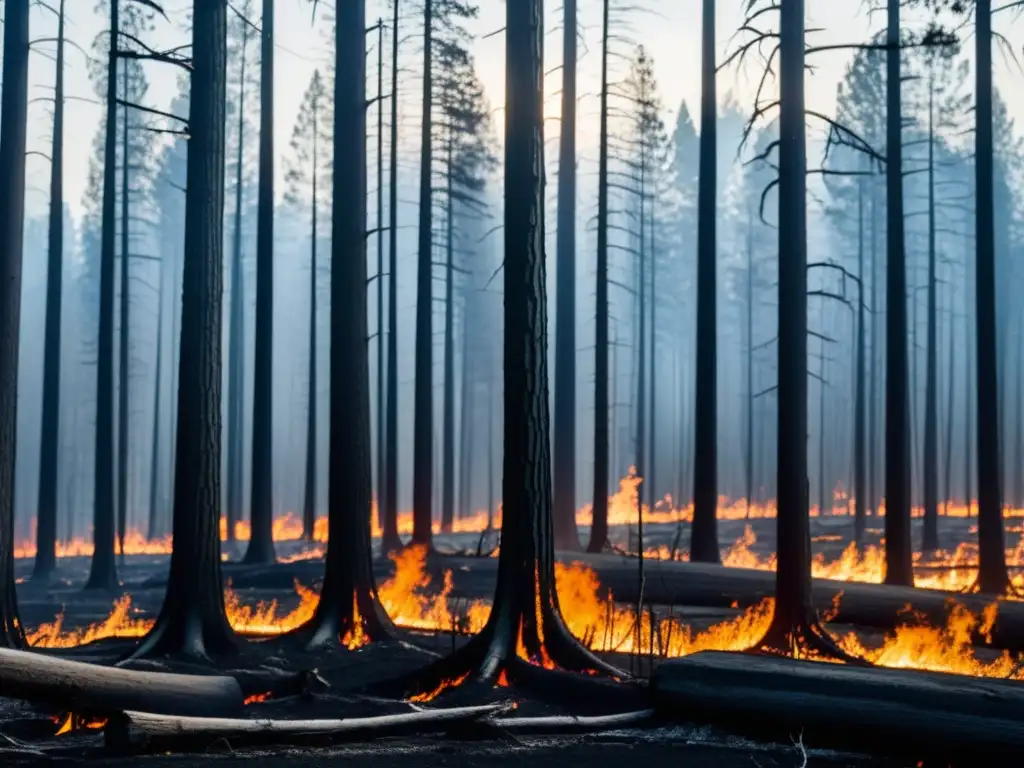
862,604
263,681
79,687
154,731
572,723
868,709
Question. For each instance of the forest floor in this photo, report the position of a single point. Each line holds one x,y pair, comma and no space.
143,578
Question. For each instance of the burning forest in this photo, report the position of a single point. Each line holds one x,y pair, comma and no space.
503,413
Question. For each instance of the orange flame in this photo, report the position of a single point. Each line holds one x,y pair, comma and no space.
70,722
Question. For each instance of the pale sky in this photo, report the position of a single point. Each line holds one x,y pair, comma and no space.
670,29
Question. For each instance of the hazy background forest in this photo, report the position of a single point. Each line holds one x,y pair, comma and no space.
843,214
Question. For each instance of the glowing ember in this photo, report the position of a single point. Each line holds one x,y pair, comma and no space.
355,637
444,686
256,698
70,723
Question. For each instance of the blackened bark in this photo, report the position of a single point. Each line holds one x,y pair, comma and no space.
423,397
873,372
950,392
309,497
348,600
992,574
526,602
154,454
103,571
599,520
261,545
1018,421
566,537
123,402
390,539
381,370
46,516
641,368
704,536
236,327
13,134
794,622
931,394
859,504
651,481
448,395
898,550
192,621
748,490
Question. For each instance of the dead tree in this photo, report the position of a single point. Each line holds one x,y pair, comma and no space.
13,133
992,574
348,599
794,627
564,436
389,507
704,537
261,542
46,516
103,571
899,567
525,623
423,399
599,499
192,621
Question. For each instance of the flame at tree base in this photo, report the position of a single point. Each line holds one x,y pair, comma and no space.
592,616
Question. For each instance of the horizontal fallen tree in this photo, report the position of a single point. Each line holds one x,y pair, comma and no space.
834,705
79,687
147,730
862,604
573,723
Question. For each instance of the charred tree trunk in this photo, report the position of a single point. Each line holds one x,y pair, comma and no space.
423,402
154,454
526,611
748,490
969,436
103,572
992,574
1018,421
822,471
873,372
651,481
448,404
794,623
46,517
261,543
704,536
236,327
931,397
898,549
951,385
192,621
123,348
566,537
13,135
859,520
309,496
348,600
599,520
389,523
641,367
382,372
